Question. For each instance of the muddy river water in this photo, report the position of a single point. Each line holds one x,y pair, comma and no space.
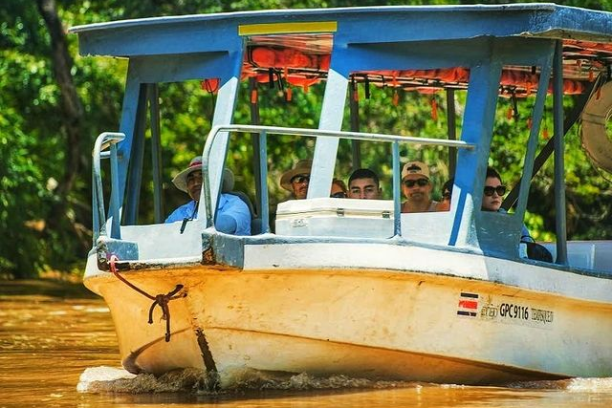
58,351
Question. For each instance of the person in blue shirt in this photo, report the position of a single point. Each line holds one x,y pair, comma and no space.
233,215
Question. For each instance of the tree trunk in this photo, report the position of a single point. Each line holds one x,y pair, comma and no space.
72,108
58,219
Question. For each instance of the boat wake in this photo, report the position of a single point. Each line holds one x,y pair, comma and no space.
570,384
98,380
114,380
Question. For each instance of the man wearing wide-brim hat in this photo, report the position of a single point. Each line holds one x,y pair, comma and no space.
233,215
297,179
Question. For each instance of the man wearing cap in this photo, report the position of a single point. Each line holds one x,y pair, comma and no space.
296,180
233,215
416,187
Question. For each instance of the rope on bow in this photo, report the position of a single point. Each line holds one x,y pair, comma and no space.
160,300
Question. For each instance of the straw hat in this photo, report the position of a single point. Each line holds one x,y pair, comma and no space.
180,180
301,167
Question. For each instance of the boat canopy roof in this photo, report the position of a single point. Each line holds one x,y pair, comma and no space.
530,20
300,42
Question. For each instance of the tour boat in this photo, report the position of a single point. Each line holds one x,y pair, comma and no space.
331,286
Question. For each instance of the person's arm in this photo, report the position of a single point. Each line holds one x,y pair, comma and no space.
525,235
226,224
233,216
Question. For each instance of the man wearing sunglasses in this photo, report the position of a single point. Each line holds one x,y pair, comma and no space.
417,187
493,195
297,179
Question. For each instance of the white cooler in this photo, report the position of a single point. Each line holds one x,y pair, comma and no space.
335,217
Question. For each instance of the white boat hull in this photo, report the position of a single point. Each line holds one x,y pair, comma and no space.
364,323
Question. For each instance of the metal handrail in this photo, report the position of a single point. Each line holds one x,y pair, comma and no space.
264,131
333,133
103,142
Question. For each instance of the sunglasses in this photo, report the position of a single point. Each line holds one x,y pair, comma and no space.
500,190
339,194
420,182
302,178
446,195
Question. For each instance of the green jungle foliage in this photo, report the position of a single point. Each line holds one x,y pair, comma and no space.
44,228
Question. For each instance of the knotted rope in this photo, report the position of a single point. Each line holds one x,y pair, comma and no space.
160,300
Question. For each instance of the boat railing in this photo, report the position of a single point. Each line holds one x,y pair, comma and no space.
591,256
264,131
106,140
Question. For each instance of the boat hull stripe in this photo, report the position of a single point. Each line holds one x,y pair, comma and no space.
464,313
468,304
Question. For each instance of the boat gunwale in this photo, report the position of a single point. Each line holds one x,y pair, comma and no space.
210,235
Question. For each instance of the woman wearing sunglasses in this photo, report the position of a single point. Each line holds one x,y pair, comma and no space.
493,195
338,189
494,191
447,191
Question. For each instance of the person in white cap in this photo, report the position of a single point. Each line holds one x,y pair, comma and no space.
417,187
233,215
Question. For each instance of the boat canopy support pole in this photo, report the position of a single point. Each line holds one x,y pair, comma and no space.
131,99
134,182
478,123
224,112
116,217
354,114
560,220
214,169
452,130
397,194
326,148
263,182
538,111
256,120
158,209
